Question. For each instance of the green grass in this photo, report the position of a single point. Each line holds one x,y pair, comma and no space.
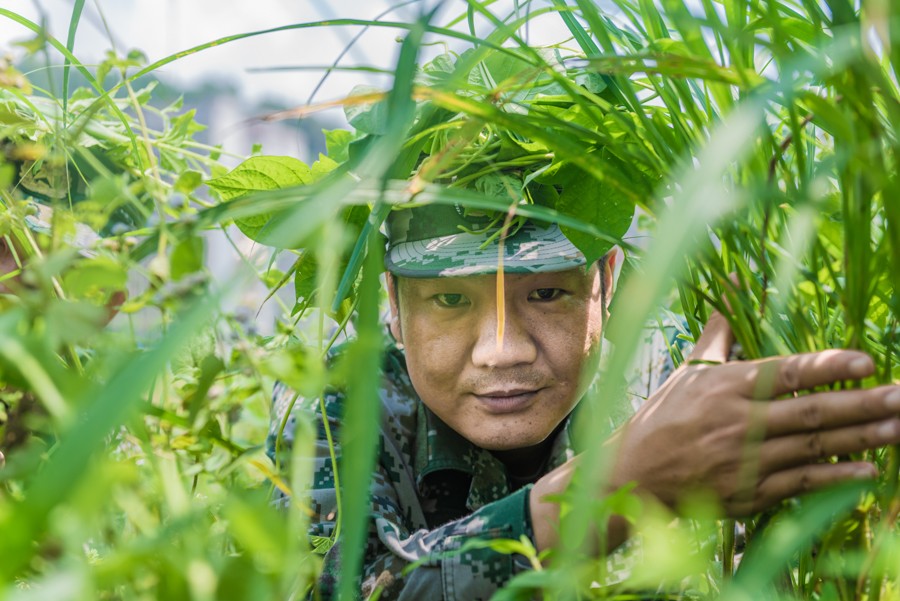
758,139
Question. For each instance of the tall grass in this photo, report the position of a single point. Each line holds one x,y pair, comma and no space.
757,138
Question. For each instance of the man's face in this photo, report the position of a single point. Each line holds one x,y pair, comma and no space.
500,396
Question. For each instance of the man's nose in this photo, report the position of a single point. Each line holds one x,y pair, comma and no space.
511,345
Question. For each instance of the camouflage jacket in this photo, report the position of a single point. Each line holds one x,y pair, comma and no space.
432,492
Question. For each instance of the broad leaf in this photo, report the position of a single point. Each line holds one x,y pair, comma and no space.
337,144
596,203
260,173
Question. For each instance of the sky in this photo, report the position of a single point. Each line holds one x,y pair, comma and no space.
162,27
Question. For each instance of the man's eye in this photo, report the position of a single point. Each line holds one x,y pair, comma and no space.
545,294
450,300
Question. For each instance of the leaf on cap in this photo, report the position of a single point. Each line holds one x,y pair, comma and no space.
519,79
499,185
368,117
594,203
337,144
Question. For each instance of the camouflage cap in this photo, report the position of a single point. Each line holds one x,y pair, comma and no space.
448,240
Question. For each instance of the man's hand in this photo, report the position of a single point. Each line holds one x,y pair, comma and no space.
717,426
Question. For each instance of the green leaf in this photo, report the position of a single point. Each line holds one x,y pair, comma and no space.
75,322
33,45
369,117
499,185
7,173
337,144
523,80
95,278
188,181
305,277
595,83
299,367
210,367
187,257
106,405
321,544
260,173
322,167
183,127
597,204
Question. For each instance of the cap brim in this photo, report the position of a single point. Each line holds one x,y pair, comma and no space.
532,249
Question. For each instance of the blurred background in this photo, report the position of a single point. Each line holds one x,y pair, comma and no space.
234,84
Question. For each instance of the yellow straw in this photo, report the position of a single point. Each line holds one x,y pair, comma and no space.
501,291
501,299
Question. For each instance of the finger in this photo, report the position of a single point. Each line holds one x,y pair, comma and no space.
714,344
732,290
776,376
792,482
827,410
793,450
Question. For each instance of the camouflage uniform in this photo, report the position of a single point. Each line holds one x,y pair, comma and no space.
432,491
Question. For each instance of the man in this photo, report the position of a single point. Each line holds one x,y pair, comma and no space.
476,401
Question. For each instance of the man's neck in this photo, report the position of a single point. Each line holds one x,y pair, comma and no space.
527,464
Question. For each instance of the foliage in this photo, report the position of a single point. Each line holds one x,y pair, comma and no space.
756,138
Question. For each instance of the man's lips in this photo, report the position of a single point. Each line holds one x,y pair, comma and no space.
507,400
506,392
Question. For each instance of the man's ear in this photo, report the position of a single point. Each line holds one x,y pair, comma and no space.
607,273
394,299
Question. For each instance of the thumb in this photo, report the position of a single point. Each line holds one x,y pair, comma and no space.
714,344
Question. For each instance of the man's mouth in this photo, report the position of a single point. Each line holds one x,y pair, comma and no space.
507,400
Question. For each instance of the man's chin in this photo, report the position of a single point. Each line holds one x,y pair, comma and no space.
507,441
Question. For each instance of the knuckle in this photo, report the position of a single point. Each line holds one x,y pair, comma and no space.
804,482
867,437
875,404
702,374
735,431
879,433
810,414
867,406
710,383
871,405
814,446
764,495
789,375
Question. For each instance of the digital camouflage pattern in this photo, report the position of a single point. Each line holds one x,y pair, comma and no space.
449,240
432,492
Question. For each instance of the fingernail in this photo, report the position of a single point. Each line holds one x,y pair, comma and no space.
866,472
892,400
860,367
888,430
